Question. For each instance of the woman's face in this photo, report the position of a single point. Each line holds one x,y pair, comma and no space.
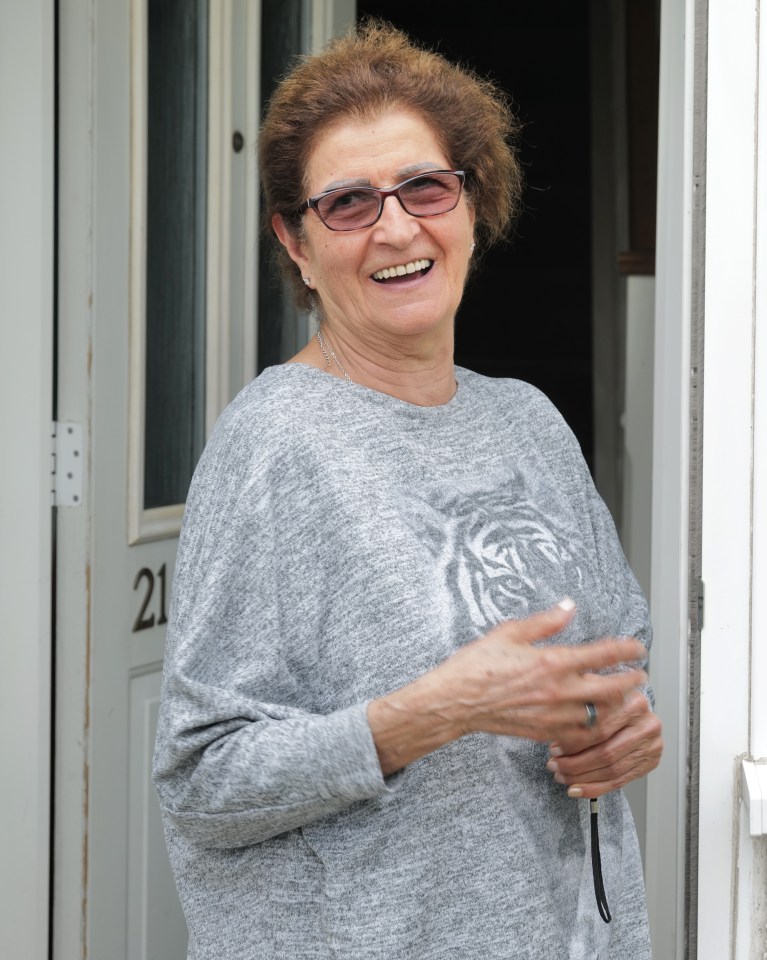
344,267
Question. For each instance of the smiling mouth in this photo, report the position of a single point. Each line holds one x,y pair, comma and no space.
402,270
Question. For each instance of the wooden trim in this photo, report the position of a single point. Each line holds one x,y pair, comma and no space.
637,263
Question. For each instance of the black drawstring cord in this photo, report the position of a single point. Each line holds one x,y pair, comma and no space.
596,864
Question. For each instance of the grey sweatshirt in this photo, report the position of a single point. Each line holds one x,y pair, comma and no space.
337,543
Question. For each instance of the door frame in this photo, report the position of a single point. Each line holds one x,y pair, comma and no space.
667,812
27,161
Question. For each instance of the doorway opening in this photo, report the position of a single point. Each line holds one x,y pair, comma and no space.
526,312
568,303
552,306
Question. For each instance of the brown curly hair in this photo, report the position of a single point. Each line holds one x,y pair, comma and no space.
372,68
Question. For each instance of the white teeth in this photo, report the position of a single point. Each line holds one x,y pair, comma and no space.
401,269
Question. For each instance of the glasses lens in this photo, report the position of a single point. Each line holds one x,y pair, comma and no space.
430,194
349,209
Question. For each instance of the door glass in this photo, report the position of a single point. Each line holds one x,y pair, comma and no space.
283,35
177,81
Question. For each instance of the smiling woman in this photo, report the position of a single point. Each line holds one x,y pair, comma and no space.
404,647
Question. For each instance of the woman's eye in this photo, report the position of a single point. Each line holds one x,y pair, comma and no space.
426,186
349,199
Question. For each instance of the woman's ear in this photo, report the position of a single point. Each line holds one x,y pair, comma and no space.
291,244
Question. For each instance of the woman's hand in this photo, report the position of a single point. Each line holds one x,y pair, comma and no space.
506,683
629,746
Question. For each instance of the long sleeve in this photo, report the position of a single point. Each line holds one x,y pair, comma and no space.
242,754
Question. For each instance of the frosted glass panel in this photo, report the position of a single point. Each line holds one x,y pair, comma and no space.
175,247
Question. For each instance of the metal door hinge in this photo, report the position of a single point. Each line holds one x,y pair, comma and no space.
66,464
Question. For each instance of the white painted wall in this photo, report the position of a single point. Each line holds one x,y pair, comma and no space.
26,351
758,730
751,922
731,864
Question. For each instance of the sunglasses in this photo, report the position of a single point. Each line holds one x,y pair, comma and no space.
351,208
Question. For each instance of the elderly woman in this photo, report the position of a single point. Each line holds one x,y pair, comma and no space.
404,646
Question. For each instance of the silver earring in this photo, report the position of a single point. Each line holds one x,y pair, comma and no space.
307,281
471,248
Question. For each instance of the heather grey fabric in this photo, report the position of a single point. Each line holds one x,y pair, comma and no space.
337,543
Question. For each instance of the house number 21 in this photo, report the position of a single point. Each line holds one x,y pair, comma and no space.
146,618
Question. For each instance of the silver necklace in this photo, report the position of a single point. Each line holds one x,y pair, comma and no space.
330,353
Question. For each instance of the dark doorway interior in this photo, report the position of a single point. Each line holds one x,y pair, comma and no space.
527,311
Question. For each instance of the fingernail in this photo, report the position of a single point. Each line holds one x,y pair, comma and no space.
567,604
575,792
553,766
555,751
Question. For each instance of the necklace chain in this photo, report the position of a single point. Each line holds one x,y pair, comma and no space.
329,353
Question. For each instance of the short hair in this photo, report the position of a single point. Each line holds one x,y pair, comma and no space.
372,69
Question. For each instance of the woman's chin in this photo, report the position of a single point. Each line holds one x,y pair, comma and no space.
409,323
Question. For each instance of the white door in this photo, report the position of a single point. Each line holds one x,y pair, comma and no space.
157,306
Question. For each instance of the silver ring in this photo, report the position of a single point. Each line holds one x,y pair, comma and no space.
591,715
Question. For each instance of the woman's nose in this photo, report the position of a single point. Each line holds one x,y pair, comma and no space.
395,224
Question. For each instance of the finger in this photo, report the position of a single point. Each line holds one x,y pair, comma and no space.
545,624
591,790
607,695
557,685
631,723
609,652
587,787
638,763
619,767
610,691
644,756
